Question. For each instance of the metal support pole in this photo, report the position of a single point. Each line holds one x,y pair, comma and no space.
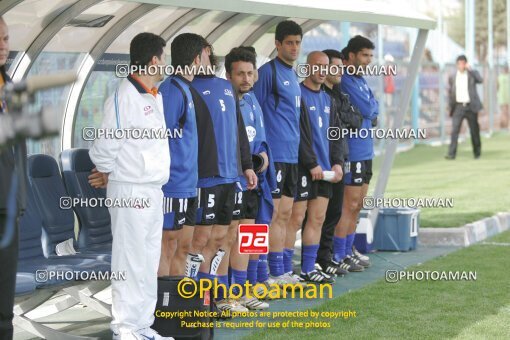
344,28
490,57
508,35
442,104
469,30
507,74
391,144
415,108
380,82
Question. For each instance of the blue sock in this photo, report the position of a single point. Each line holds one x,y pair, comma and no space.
339,248
349,243
309,257
203,276
222,292
252,271
206,276
239,277
275,260
262,273
287,259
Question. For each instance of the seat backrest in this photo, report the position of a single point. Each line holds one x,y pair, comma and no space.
48,189
30,228
95,223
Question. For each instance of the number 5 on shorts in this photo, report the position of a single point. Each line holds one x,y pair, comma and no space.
210,201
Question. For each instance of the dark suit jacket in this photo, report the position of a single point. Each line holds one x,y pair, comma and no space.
474,78
12,158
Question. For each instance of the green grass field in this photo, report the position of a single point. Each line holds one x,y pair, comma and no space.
435,309
480,188
425,309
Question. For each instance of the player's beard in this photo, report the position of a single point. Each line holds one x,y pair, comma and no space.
248,87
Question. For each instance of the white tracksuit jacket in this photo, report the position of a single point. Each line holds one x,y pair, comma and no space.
133,160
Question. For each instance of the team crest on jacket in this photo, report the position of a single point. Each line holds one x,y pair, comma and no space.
228,93
148,110
251,132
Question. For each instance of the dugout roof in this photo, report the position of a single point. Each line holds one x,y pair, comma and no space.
95,28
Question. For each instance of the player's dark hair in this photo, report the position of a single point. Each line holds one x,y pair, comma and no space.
212,57
345,53
462,57
250,48
239,54
333,54
185,48
144,46
358,43
287,27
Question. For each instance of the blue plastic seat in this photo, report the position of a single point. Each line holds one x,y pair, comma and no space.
25,284
57,223
31,258
95,223
38,281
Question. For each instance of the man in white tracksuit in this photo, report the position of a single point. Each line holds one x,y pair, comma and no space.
135,168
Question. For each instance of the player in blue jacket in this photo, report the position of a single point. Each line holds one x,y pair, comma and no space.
180,201
278,92
223,155
361,151
240,66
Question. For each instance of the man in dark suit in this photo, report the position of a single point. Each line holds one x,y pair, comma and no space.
12,161
464,103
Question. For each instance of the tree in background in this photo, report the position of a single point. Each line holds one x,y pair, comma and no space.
456,25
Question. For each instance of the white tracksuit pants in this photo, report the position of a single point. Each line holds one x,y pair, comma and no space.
136,250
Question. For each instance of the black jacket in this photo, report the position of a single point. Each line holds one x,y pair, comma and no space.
349,115
12,158
474,78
